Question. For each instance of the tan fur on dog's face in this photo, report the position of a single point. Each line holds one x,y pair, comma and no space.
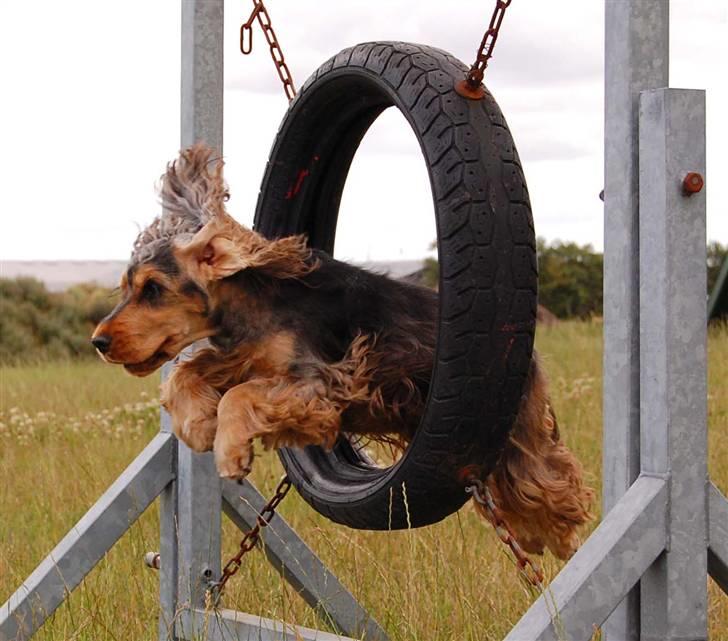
177,261
161,313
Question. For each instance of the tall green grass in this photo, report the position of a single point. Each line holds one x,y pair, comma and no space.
67,430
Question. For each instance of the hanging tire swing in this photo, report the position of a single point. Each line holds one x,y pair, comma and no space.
488,279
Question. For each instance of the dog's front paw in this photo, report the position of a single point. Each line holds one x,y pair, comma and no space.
197,433
192,408
235,463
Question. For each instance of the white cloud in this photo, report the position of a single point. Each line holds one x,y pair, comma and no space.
91,113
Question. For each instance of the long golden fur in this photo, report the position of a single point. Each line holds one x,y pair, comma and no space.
287,365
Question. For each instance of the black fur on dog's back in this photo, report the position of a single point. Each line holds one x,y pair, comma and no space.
326,310
337,301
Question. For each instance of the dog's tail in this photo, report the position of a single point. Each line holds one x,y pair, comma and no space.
538,484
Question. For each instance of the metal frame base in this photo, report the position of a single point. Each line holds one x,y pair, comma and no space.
613,559
650,556
152,472
87,542
192,497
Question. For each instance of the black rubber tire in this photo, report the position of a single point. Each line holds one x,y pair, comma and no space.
488,276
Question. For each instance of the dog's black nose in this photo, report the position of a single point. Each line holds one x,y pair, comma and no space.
102,343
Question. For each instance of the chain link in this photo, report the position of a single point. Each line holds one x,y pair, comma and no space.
475,75
481,493
246,45
251,537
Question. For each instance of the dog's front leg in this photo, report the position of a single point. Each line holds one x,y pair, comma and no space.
281,411
192,406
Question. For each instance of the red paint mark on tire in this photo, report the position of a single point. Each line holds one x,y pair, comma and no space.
509,347
509,328
293,191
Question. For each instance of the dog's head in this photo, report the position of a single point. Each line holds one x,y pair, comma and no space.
168,292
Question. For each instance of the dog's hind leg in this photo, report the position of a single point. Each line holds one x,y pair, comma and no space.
282,411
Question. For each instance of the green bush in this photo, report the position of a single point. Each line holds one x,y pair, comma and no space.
38,325
570,279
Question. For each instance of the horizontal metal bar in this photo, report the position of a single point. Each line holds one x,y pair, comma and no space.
228,625
718,537
298,564
603,570
87,542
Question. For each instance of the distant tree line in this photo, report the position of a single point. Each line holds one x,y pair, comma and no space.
38,325
570,276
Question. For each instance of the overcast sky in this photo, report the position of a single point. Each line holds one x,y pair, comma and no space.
90,114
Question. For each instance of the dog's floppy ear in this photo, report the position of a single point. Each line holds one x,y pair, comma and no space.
223,247
212,254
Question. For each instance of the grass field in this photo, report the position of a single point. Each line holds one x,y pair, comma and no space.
66,431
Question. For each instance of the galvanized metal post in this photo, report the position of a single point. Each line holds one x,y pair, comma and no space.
192,507
636,58
202,73
168,549
199,498
669,528
673,356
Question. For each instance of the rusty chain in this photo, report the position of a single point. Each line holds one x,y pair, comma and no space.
481,493
470,87
477,488
251,537
246,45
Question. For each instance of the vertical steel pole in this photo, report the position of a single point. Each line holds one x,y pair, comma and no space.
168,551
202,72
636,58
199,502
673,353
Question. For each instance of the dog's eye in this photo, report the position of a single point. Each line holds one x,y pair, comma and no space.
151,292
